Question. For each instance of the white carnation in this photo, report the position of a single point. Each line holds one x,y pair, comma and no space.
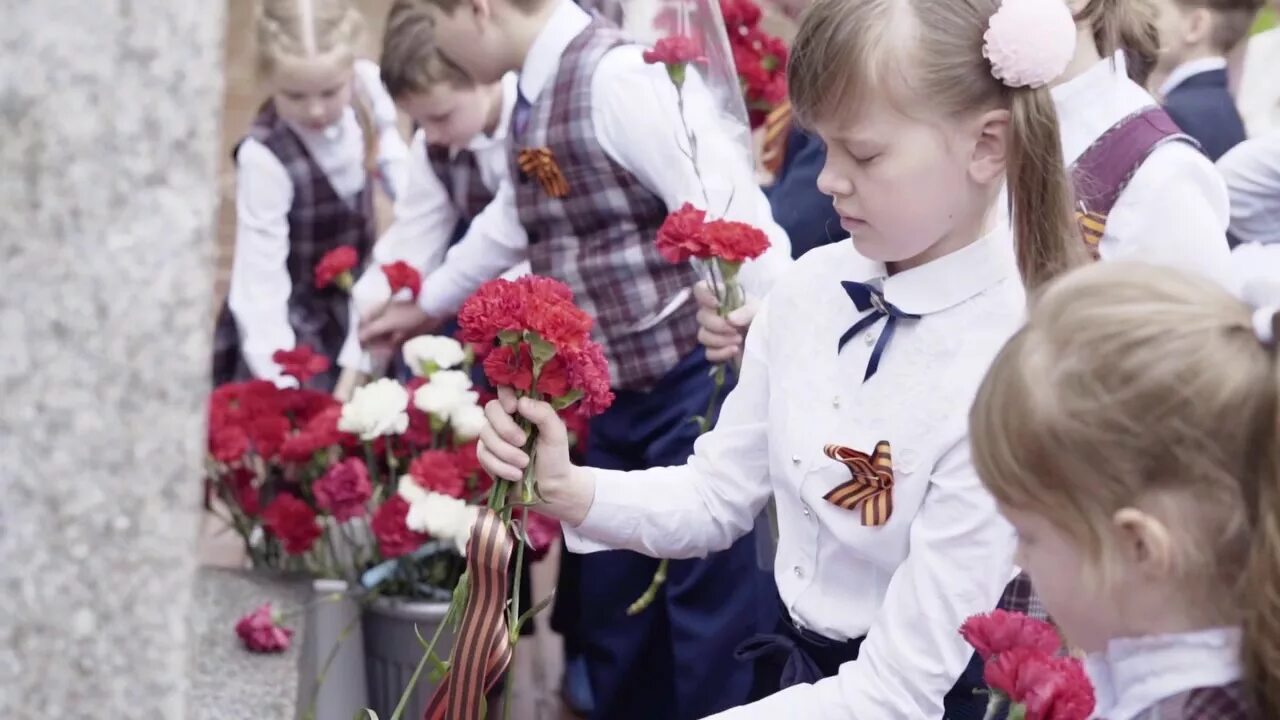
427,354
377,409
447,392
467,422
440,516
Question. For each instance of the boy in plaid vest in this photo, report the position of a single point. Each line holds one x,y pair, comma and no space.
611,124
457,158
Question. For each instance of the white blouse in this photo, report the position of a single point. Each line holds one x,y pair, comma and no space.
1135,674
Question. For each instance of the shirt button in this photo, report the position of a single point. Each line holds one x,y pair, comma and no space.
806,510
869,339
835,402
799,571
795,460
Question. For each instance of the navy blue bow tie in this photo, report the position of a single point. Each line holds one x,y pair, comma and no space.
868,297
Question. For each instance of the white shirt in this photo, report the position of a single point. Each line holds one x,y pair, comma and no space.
260,283
1174,210
1189,69
637,123
425,216
1135,674
944,554
1252,174
1259,96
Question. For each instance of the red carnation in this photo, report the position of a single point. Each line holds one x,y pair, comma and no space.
1050,688
293,521
589,372
300,362
557,321
682,234
553,380
675,50
438,471
344,489
1000,631
268,435
244,492
473,474
336,266
395,539
510,367
544,287
260,631
401,275
739,16
228,444
735,241
498,305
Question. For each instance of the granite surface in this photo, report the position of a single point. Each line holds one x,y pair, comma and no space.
229,683
108,136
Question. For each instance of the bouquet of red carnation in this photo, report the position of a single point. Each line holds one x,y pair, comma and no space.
1025,669
760,59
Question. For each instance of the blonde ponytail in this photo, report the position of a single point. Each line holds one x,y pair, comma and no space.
1261,585
1128,25
306,28
1041,200
368,125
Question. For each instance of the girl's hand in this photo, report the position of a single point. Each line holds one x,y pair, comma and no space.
568,490
722,336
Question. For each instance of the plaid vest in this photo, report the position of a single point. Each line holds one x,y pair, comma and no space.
1212,703
1105,168
599,235
460,174
319,221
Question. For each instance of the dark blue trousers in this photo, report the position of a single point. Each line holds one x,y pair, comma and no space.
675,660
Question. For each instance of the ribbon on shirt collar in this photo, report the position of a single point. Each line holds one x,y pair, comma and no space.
871,483
868,297
482,649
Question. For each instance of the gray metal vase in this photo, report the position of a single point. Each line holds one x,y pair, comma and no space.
332,627
392,652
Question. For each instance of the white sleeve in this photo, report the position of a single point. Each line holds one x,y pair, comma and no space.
260,282
1257,271
693,509
495,241
656,150
1252,173
1174,212
961,557
392,154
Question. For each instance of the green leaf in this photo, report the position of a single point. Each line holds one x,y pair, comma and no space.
366,714
530,614
541,350
566,400
509,337
675,71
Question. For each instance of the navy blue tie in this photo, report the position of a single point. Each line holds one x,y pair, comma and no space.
520,117
868,297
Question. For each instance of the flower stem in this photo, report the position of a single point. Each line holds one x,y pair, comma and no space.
650,593
426,655
369,463
324,669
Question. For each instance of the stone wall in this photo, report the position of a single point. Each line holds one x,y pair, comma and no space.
108,135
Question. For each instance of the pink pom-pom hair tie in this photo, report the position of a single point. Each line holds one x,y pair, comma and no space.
1029,43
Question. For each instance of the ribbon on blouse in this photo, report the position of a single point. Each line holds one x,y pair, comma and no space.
868,297
540,164
871,484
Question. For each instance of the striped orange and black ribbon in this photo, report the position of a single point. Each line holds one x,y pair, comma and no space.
1092,227
482,647
777,126
540,164
871,484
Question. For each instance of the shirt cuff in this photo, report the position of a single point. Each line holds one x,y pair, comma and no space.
612,517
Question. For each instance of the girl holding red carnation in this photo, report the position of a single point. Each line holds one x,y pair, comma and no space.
305,178
851,409
1129,434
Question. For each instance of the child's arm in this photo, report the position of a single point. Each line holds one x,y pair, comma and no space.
961,558
675,512
419,235
260,282
1252,173
1174,212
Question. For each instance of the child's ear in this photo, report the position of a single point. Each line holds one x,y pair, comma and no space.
1198,25
991,150
1145,543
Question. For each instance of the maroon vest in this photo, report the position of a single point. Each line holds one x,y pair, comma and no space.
459,172
1105,168
598,236
319,221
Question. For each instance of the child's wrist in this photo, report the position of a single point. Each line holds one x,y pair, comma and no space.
569,500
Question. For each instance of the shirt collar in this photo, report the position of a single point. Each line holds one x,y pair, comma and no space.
1186,70
948,280
499,136
566,21
1134,674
